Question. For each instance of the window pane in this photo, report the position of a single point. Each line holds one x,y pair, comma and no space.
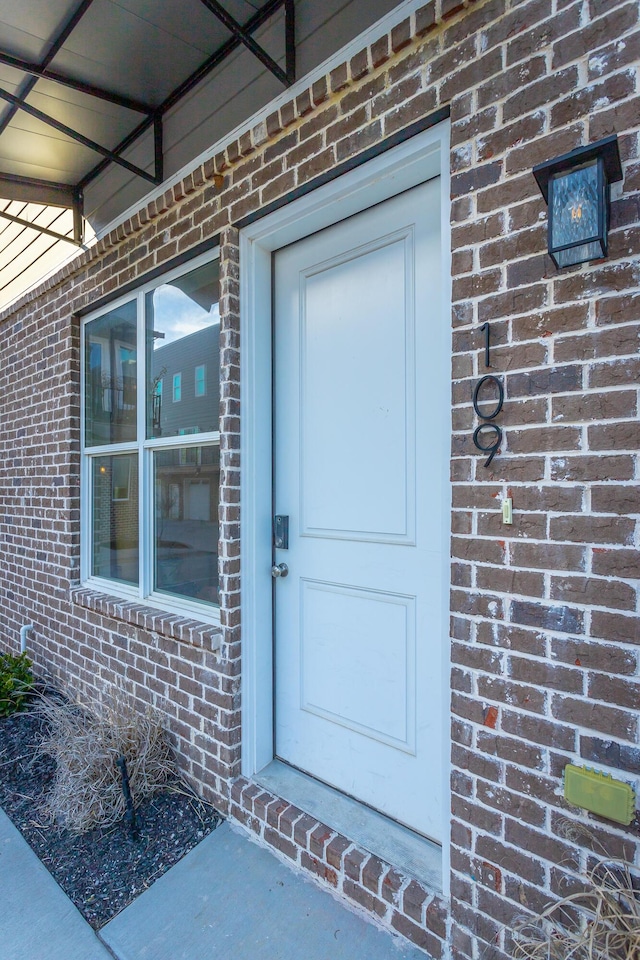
183,334
114,509
186,483
574,206
110,366
201,380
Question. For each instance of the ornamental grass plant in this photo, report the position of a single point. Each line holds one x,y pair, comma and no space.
88,745
600,921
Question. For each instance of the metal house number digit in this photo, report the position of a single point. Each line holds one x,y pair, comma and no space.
489,414
492,448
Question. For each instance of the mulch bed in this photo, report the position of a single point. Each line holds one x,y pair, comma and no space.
105,869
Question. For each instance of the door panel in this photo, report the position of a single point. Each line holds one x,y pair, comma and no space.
340,350
381,628
360,354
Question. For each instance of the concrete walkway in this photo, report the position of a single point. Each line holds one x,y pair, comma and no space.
37,920
228,899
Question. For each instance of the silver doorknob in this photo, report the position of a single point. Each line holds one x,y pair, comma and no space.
279,570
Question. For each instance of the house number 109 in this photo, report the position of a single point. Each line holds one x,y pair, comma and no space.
486,430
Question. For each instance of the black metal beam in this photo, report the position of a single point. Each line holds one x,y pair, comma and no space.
31,190
128,140
56,44
74,135
256,21
35,226
44,73
245,37
241,35
78,216
158,147
290,39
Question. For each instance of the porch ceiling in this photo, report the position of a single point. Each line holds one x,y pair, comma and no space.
81,81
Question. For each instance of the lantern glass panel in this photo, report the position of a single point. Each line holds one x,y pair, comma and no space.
577,215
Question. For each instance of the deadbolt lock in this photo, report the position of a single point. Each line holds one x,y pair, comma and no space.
281,532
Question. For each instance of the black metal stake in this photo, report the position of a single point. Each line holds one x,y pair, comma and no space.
130,815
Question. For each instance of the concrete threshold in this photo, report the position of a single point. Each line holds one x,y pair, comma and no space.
410,853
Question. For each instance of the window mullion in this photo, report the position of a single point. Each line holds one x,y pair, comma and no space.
86,533
142,373
143,496
86,528
147,523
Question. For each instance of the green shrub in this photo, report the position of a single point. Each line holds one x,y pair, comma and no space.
16,681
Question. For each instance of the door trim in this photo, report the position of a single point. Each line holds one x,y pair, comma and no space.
422,157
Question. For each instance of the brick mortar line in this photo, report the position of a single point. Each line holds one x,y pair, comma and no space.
479,618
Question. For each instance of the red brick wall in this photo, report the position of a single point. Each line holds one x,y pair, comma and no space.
544,613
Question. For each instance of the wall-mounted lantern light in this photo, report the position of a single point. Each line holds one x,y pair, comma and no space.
576,189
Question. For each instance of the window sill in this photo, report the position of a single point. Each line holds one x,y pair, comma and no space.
205,636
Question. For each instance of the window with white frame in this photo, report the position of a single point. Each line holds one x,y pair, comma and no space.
151,470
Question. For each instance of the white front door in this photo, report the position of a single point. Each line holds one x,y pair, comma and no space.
360,619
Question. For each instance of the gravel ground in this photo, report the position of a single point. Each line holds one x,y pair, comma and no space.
104,870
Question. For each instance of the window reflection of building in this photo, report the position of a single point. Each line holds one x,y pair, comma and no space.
178,348
115,518
156,403
112,381
193,408
187,481
111,377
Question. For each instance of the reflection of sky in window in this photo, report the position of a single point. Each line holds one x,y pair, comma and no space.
177,315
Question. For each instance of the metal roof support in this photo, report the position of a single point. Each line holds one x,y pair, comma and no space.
19,103
56,44
290,39
41,191
245,37
31,190
256,21
44,230
128,140
157,146
261,16
44,73
78,216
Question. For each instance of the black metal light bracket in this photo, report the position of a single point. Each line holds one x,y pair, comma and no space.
576,188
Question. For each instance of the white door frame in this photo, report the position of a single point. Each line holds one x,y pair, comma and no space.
420,158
